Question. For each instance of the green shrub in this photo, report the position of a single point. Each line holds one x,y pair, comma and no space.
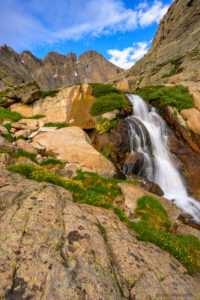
177,96
21,137
107,103
36,117
24,153
51,93
100,89
108,99
56,124
5,114
8,126
8,136
106,125
51,161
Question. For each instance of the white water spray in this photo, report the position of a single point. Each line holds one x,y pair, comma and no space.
165,174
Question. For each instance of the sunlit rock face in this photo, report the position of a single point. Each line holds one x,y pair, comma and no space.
174,57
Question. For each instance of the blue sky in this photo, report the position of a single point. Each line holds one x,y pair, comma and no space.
121,30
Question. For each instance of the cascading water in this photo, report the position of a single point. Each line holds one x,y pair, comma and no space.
158,166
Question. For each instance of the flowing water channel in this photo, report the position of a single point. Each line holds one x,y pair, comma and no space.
148,136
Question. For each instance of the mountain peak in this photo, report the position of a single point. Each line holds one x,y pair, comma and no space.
56,70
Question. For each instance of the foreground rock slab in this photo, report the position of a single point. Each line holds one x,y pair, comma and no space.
53,248
72,145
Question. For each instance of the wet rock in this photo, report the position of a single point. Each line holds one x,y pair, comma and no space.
133,163
147,185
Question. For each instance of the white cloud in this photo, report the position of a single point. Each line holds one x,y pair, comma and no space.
148,15
35,23
127,57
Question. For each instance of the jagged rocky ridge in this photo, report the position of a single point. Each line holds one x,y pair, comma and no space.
55,70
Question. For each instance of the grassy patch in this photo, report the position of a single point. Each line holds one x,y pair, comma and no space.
36,117
8,136
56,124
150,210
21,137
5,114
51,93
8,126
108,98
155,227
184,248
51,161
177,96
100,89
108,103
23,153
88,188
105,125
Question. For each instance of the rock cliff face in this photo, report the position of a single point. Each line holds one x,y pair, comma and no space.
175,53
55,70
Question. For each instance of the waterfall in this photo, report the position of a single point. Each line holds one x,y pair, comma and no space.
159,166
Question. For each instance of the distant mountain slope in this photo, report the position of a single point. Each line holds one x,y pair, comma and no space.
175,53
55,70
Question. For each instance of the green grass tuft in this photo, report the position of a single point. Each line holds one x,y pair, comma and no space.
151,210
107,103
21,137
5,114
57,125
177,96
36,117
100,89
51,93
8,126
24,153
108,98
51,161
106,125
8,136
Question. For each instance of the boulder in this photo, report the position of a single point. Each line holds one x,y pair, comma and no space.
3,129
24,145
26,93
40,149
5,145
133,163
25,133
132,193
72,145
